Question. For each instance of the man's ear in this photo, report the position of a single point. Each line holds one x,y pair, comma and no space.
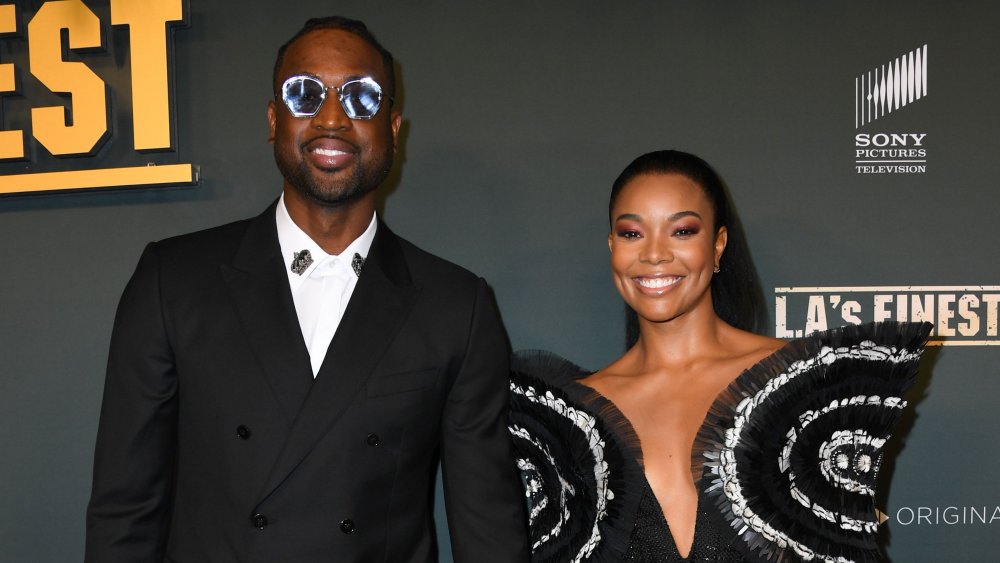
395,121
271,117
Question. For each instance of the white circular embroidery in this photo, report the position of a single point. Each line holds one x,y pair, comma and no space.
726,468
587,424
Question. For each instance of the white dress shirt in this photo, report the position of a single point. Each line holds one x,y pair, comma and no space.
322,291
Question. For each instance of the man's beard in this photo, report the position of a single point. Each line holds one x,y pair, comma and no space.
365,178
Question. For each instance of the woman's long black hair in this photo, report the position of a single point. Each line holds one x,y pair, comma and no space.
736,291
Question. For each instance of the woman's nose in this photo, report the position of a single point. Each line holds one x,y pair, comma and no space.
656,250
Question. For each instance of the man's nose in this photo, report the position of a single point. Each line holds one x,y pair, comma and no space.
331,115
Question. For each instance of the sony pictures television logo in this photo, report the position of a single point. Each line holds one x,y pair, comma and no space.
878,93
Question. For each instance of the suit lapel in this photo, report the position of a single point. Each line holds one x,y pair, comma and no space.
381,301
263,301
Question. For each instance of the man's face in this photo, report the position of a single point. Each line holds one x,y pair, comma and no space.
330,158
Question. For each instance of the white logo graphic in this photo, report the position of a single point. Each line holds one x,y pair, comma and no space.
879,92
890,86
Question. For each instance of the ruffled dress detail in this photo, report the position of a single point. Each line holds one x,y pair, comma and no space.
789,452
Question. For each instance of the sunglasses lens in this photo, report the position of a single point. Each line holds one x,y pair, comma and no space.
303,95
361,98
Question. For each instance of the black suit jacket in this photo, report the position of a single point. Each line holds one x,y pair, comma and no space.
217,445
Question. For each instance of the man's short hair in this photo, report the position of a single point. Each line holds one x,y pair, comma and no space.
356,27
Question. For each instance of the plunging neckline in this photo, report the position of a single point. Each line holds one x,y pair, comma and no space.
630,429
579,449
722,399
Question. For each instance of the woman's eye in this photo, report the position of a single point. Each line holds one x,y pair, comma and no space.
686,232
629,235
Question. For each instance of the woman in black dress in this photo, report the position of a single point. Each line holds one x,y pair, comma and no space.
705,441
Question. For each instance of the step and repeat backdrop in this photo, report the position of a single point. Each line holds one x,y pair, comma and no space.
858,139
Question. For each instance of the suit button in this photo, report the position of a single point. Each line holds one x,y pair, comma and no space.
347,526
259,521
373,439
243,432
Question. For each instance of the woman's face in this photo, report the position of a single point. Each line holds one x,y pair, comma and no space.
663,246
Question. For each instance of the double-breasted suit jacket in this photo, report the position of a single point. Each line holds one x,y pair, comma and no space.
217,444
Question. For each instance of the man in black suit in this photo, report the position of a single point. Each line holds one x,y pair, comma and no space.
282,388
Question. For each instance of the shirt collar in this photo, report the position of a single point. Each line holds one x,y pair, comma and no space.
293,239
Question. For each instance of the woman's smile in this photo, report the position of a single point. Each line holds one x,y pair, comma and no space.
657,283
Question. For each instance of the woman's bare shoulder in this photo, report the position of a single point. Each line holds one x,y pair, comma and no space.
615,374
750,347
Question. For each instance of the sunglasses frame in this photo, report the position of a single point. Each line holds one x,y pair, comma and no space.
340,96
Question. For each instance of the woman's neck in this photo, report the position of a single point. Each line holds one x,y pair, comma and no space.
695,335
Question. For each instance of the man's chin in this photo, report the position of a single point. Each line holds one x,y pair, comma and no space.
329,188
328,195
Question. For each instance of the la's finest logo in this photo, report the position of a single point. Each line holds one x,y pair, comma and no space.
84,104
879,92
961,315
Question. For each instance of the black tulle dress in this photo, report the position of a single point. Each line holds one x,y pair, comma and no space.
790,452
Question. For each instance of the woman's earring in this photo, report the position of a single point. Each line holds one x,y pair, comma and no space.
717,269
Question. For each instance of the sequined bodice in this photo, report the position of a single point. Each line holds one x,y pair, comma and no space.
652,542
